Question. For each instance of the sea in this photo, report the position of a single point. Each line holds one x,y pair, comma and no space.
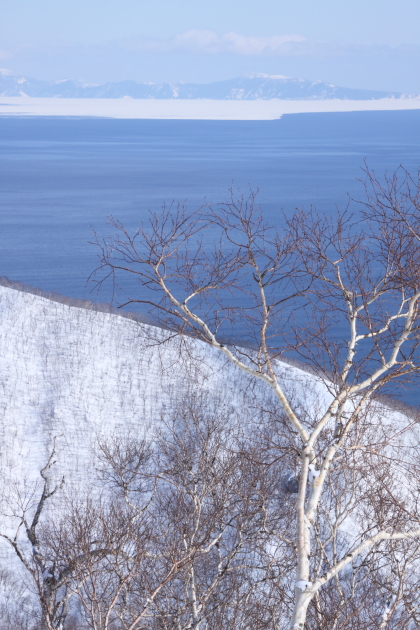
60,178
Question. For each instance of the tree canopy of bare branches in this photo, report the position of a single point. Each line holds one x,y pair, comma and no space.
194,526
341,293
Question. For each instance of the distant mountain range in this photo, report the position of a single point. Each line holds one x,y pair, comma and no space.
252,87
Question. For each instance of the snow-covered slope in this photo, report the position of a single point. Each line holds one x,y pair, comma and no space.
253,87
82,374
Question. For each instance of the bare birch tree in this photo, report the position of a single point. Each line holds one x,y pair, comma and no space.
341,294
194,528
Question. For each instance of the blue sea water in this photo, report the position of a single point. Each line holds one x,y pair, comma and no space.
60,176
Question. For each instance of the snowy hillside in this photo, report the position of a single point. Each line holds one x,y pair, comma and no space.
253,87
80,374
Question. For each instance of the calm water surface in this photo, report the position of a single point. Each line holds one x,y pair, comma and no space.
60,176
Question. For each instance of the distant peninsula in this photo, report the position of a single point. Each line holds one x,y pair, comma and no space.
246,88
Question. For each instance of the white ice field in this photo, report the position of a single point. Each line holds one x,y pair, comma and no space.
200,109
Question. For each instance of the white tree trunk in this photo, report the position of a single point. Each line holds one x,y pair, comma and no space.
302,600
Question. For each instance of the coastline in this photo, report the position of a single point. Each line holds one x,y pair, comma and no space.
192,109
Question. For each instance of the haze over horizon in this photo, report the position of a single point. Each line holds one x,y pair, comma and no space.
374,46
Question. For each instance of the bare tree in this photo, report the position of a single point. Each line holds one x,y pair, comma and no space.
18,610
109,538
50,583
218,502
184,532
55,569
194,528
341,294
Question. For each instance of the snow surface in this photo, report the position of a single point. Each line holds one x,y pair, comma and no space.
200,109
82,375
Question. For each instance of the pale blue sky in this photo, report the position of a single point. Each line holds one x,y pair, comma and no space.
367,43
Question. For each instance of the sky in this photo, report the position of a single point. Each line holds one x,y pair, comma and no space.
363,44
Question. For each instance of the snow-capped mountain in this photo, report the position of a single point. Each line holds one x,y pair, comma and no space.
251,87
